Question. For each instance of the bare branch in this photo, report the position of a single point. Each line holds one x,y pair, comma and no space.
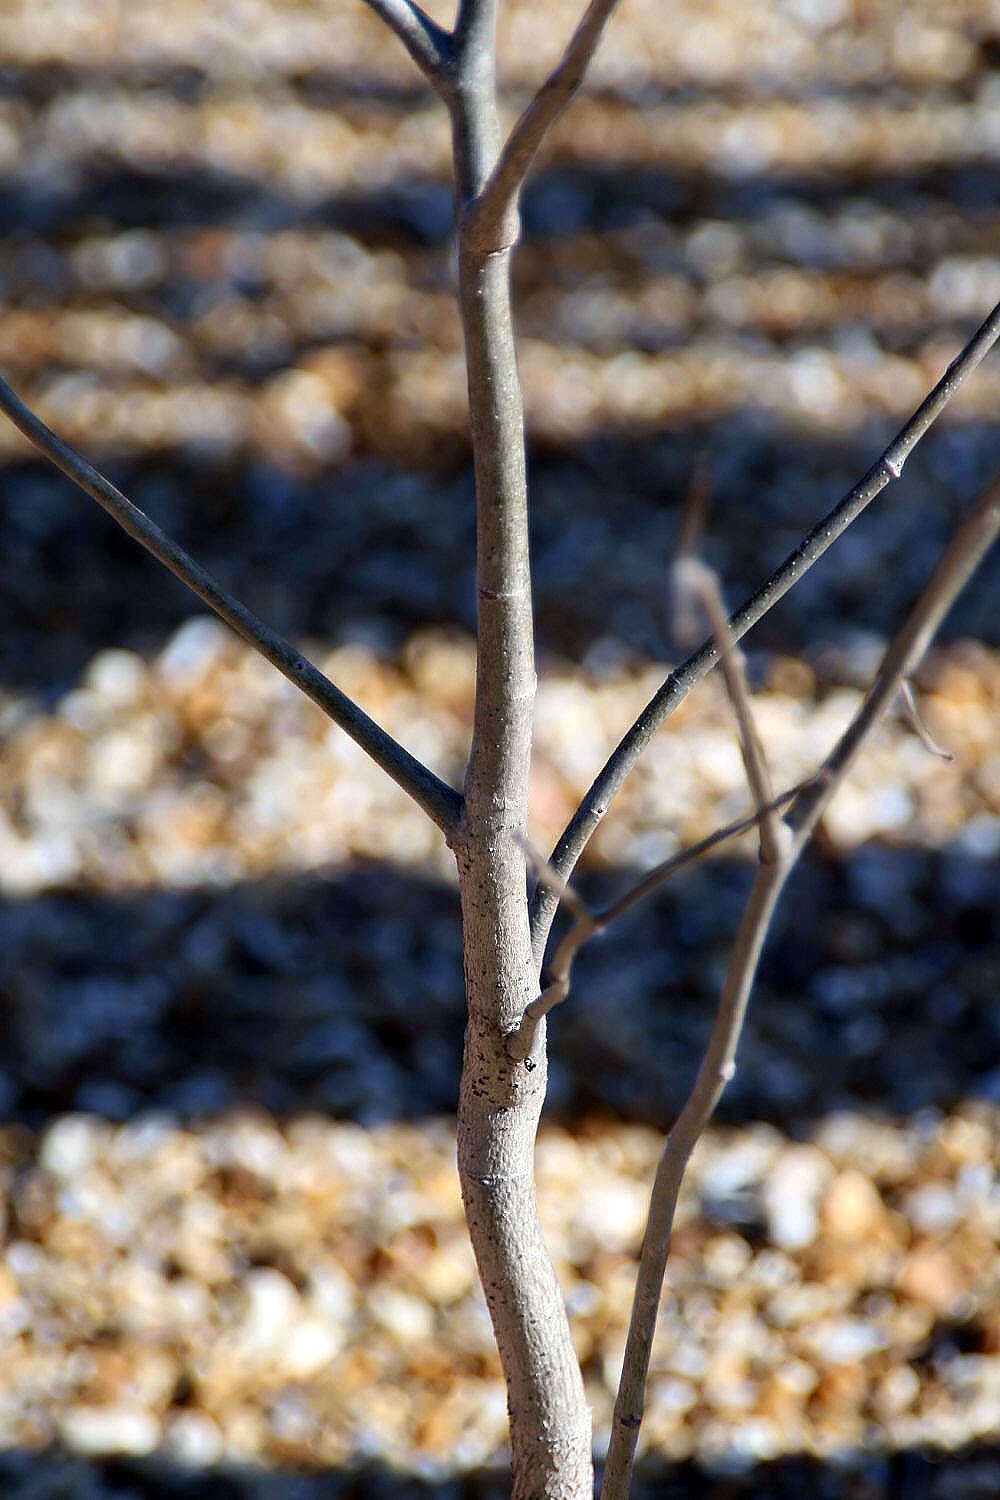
680,682
590,924
562,890
964,553
695,577
661,873
427,43
521,1040
716,1069
920,729
492,220
440,801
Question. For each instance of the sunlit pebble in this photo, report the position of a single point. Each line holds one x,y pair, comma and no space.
192,1439
933,1208
193,649
123,262
300,404
121,761
332,1293
117,677
47,859
244,1431
409,1319
110,1429
725,1258
145,1138
72,1144
791,1196
310,1346
856,814
272,1308
843,1341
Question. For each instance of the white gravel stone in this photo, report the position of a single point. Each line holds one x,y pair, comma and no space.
193,1439
311,1344
737,1165
192,649
116,676
272,1307
71,1145
843,1341
110,1429
409,1319
792,1194
933,1208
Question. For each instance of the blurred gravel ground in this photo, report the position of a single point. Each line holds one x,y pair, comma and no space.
245,1293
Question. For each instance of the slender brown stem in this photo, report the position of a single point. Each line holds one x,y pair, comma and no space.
680,682
440,801
918,726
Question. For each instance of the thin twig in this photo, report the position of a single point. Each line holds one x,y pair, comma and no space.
695,577
680,682
716,1069
427,43
440,801
562,890
918,726
656,877
491,213
590,924
962,556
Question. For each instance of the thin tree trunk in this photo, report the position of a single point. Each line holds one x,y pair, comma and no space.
501,1100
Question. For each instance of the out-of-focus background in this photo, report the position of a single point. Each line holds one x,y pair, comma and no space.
234,1261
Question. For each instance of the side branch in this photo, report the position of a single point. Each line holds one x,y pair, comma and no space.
590,924
440,801
962,556
694,575
680,682
492,211
427,43
716,1069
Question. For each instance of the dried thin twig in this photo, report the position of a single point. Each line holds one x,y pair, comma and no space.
440,801
590,924
963,555
680,682
491,218
716,1069
693,576
918,726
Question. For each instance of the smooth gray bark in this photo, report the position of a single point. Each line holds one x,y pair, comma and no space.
501,1099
